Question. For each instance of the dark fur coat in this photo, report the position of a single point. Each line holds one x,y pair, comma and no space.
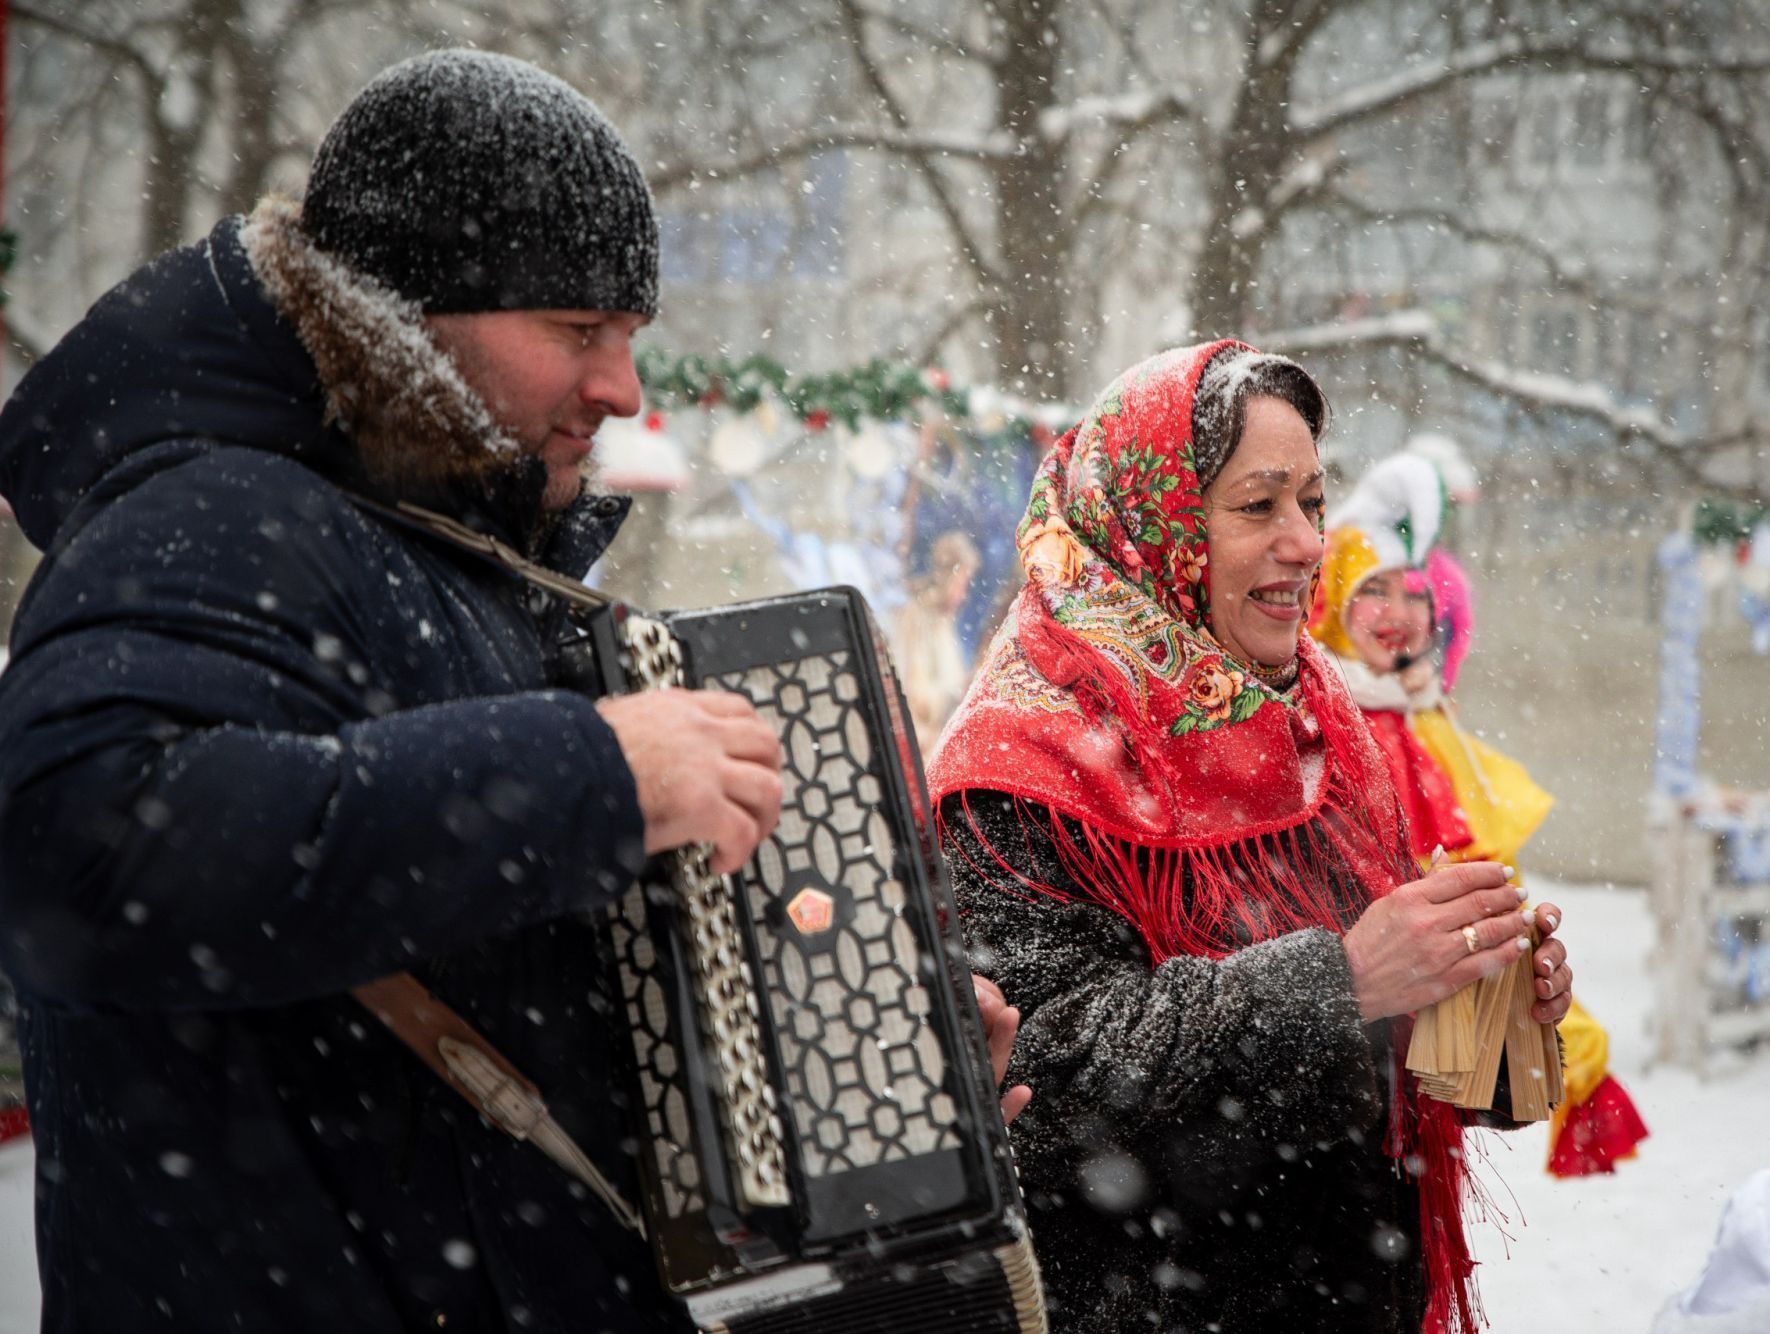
1203,1151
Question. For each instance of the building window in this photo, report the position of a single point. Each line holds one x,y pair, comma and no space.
1569,126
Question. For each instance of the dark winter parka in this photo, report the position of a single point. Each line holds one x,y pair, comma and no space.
257,746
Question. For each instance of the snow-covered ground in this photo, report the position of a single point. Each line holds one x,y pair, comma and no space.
1595,1254
1604,1253
18,1250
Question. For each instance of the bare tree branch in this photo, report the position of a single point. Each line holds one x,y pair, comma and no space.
1308,179
1131,112
1301,28
955,319
1744,144
112,46
934,41
1410,86
1417,332
1580,282
969,245
992,148
1092,196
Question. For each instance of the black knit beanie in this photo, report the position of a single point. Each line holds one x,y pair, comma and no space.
468,182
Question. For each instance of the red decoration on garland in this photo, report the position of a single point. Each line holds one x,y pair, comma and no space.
939,380
654,421
817,419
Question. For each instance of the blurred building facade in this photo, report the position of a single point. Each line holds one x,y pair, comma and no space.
1546,227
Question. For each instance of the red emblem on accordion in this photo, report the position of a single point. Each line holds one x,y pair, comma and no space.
812,911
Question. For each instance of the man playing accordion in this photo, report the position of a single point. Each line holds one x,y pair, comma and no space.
281,719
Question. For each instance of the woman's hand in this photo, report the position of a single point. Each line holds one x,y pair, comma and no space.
1554,978
1001,1021
1435,935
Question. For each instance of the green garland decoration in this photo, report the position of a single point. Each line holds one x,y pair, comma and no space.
1725,523
879,390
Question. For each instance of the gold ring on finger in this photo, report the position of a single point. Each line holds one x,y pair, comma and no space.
1469,938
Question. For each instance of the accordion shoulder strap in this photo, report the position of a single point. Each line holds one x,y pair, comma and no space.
475,1069
442,1039
501,553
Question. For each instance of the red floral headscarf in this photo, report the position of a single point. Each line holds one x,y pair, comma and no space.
1105,686
1207,808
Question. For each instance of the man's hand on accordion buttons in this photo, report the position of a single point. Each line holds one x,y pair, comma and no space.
707,768
1001,1021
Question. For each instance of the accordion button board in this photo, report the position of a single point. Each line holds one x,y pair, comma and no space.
893,1203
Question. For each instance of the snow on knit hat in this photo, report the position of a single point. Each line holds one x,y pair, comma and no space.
468,181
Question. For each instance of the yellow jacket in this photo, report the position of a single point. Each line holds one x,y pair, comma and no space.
1500,802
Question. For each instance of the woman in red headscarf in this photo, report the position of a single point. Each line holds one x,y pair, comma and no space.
1179,853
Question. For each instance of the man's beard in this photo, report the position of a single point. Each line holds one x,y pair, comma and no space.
589,482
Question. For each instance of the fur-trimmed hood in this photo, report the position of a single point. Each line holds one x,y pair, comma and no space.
420,430
252,337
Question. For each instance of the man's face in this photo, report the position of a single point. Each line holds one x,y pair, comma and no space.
549,378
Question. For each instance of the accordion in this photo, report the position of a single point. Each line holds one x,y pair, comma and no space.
820,1146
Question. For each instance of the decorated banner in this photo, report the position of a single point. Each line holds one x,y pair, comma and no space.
901,452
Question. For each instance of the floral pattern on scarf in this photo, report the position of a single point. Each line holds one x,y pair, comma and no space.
1114,543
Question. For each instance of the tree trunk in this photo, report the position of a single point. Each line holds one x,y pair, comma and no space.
171,176
1028,311
254,143
1226,298
175,133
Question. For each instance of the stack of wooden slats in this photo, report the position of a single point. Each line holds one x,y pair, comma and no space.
1458,1042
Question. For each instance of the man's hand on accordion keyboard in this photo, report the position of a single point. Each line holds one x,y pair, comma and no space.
707,769
1001,1021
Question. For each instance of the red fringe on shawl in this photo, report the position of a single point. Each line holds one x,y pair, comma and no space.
1240,891
1426,1136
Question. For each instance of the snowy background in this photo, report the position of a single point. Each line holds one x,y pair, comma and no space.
1594,1254
1542,226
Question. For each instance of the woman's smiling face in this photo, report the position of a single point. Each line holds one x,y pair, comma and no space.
1386,621
1263,522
